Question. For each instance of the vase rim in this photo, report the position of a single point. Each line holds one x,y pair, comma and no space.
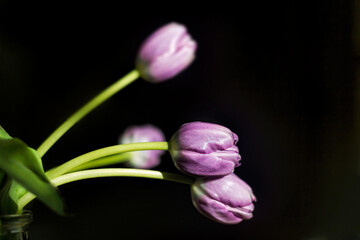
15,223
25,214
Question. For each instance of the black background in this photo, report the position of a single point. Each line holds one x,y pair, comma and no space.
279,75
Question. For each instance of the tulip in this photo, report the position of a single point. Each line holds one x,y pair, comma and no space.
227,200
204,150
146,133
165,53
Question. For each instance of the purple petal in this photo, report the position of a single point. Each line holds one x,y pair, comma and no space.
230,190
169,65
167,52
211,165
204,137
227,200
204,149
216,211
162,41
145,133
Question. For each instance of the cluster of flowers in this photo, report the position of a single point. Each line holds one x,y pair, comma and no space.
206,153
202,150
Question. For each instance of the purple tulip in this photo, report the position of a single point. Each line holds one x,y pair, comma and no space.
165,53
145,133
227,200
204,149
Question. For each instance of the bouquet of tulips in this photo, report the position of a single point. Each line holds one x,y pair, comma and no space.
204,153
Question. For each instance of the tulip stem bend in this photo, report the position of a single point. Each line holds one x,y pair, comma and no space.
104,161
87,108
108,172
104,152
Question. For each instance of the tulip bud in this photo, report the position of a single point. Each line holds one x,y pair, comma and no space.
204,149
146,133
227,200
165,53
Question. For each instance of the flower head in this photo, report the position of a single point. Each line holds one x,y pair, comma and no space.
165,53
204,149
144,133
227,200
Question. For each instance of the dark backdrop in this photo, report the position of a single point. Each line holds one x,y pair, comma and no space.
281,76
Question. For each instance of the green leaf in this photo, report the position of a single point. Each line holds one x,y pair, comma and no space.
23,165
9,197
4,134
10,191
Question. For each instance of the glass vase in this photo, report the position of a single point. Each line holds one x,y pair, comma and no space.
15,226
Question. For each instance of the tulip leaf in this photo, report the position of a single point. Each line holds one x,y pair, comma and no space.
4,134
9,198
23,165
9,189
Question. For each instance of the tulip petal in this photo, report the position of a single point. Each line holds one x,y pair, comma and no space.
227,200
230,190
210,165
204,149
217,211
165,53
162,41
167,66
144,133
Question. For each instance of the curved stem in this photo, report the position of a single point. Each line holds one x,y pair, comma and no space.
87,108
103,152
104,161
109,172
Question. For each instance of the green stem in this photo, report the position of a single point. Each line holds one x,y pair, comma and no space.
87,108
108,172
104,161
104,152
